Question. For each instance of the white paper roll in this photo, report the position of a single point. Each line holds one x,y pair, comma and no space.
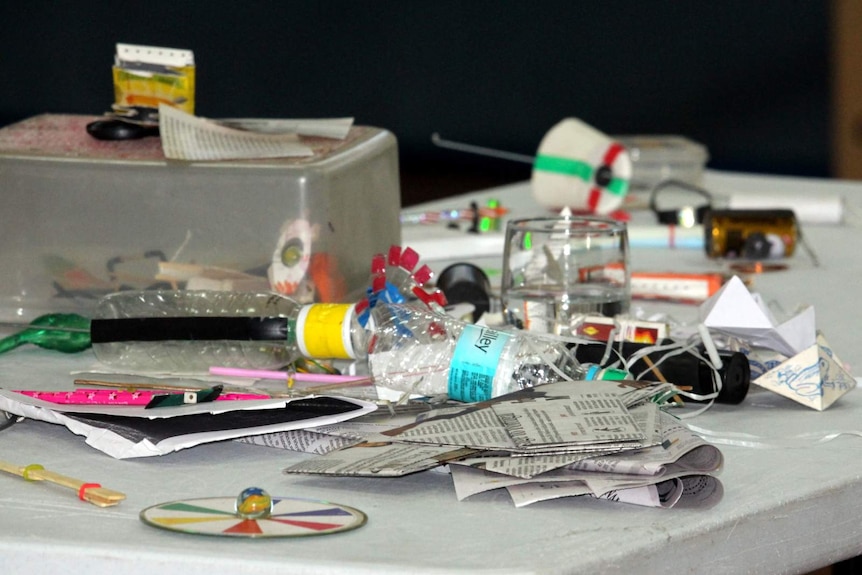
580,168
812,209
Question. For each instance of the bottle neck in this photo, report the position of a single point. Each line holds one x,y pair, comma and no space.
327,331
595,372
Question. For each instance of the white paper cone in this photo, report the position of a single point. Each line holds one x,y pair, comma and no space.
581,168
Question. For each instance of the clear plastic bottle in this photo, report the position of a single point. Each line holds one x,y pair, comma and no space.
192,330
415,350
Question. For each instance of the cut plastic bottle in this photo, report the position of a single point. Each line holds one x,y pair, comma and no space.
413,349
191,330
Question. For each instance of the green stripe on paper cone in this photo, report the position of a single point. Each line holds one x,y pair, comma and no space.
565,166
579,169
618,186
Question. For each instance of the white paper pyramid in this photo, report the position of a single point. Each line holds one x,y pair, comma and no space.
815,377
735,311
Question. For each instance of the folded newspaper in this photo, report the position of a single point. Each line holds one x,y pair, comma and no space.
608,440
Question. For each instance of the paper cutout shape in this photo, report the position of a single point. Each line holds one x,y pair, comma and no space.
124,431
735,311
815,377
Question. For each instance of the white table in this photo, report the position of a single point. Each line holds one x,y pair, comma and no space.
785,510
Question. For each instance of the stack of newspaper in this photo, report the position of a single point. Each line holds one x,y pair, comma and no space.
613,440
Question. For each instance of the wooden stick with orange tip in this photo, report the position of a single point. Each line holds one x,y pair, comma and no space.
660,376
90,492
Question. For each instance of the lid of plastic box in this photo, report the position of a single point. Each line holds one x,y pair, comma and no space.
664,150
65,137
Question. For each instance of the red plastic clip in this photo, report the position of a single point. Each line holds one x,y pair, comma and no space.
409,259
394,255
423,275
83,489
378,264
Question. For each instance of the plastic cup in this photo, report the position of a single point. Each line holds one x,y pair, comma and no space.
557,270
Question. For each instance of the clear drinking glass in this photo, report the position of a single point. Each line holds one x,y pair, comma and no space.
558,269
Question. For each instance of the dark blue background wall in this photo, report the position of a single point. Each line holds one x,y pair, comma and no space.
750,80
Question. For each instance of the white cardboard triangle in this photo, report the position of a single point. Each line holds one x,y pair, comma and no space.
836,379
800,330
815,377
733,306
735,311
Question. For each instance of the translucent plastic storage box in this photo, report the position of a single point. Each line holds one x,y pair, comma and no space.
82,217
659,158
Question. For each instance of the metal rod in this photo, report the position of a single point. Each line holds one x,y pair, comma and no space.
481,150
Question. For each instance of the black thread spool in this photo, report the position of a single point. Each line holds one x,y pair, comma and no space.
466,283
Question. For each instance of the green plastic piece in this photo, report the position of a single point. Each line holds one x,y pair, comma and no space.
66,332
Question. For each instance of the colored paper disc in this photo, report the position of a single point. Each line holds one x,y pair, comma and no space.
291,257
290,517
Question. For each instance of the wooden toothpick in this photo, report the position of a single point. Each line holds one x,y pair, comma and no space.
654,368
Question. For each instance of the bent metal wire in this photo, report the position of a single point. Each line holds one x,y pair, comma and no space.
7,419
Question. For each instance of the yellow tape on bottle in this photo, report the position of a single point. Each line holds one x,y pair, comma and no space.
323,331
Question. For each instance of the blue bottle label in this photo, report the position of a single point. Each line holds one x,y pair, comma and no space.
474,363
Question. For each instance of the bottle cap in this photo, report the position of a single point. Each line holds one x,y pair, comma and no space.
323,331
611,374
595,372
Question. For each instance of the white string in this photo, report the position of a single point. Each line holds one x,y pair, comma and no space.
672,349
678,348
182,246
610,346
709,346
691,346
740,439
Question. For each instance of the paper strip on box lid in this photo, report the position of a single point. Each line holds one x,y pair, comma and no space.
814,377
192,138
735,311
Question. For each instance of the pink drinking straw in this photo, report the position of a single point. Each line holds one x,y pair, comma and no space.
284,375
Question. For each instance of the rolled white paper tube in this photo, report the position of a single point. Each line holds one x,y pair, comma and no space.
812,209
